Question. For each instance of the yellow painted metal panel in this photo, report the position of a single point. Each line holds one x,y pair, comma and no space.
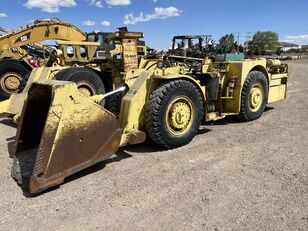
277,93
275,82
279,76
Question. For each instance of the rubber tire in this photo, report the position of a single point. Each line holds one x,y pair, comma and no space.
23,82
80,74
113,103
155,121
253,77
11,65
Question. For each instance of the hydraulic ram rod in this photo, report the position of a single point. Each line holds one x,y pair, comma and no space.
99,98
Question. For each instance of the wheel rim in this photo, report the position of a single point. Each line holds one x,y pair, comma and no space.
86,89
10,82
179,115
256,97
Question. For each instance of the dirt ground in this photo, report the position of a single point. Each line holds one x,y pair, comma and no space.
232,176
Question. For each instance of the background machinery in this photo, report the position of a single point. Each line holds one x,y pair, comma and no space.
192,46
94,69
62,132
115,46
20,51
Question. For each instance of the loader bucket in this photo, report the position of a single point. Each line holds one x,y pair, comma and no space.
60,133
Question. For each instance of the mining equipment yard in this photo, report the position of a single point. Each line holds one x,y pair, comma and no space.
232,176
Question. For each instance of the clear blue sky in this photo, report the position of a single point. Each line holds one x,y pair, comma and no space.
161,19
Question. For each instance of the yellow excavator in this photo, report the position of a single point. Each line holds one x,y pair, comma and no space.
34,50
20,51
62,132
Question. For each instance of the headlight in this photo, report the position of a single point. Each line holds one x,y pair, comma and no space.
160,64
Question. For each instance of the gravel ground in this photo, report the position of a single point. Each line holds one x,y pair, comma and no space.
232,176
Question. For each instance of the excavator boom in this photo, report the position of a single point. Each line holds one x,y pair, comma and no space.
41,30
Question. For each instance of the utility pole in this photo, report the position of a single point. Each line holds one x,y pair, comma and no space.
238,35
248,36
207,38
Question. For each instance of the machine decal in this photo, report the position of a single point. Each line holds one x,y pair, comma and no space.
23,38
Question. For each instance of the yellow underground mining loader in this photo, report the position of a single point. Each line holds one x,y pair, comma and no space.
62,132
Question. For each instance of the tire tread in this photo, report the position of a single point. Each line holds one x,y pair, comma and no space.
153,112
